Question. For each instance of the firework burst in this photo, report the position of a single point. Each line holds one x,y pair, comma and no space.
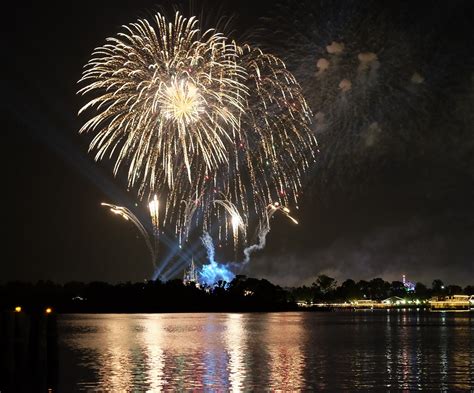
192,117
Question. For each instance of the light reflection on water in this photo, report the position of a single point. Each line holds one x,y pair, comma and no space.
287,351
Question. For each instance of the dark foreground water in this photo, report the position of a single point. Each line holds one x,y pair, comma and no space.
290,351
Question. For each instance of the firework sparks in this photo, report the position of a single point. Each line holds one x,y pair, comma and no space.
192,115
153,207
274,207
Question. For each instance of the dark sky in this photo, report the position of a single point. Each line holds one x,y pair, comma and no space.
402,205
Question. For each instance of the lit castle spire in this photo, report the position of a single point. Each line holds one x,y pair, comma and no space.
409,286
190,274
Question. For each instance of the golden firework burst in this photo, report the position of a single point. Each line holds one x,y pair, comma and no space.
193,115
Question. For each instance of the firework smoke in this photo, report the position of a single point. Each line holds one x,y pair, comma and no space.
357,70
212,272
264,230
262,240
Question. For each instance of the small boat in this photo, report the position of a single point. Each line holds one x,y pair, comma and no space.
452,303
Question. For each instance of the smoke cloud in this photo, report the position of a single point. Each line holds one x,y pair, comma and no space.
421,249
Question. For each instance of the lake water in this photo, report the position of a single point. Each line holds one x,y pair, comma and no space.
267,351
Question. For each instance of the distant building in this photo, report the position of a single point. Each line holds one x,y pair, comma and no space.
451,303
393,300
191,274
409,286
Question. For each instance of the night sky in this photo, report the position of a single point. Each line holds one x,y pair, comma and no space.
401,204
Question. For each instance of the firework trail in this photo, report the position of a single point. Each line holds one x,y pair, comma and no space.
265,229
153,207
235,220
127,215
190,208
191,116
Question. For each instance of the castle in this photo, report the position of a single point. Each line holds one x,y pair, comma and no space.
191,274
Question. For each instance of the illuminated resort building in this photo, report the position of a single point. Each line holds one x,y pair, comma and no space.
393,300
453,303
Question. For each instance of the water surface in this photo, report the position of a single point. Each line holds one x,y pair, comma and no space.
290,351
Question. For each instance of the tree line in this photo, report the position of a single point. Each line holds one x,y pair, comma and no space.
325,288
241,294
